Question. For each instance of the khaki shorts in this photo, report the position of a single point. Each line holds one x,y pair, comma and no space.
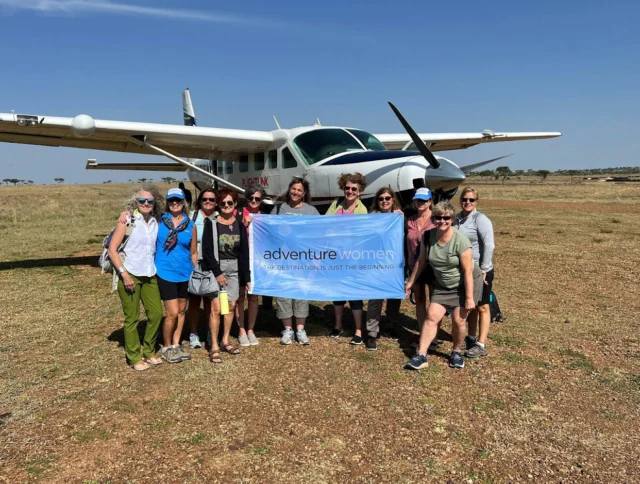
287,308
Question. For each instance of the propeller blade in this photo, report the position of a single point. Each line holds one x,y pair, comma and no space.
422,148
466,169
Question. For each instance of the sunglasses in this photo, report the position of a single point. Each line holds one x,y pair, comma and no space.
226,204
212,200
142,201
174,200
420,200
442,217
470,200
384,199
255,199
350,189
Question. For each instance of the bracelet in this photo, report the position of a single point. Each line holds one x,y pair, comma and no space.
121,270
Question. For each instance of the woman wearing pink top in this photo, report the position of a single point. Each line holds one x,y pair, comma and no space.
246,337
417,225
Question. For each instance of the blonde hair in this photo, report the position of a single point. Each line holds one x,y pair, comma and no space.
470,189
158,200
444,208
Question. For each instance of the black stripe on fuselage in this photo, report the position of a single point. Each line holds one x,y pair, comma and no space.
364,156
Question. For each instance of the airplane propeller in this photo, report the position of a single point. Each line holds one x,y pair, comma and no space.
422,147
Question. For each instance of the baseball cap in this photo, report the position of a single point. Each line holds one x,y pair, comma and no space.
175,193
422,194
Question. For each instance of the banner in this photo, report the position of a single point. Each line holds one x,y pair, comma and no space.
328,258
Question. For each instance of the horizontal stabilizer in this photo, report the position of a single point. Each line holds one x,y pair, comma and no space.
92,164
468,168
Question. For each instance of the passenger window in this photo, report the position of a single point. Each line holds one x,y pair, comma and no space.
243,163
228,167
288,161
273,159
219,167
258,161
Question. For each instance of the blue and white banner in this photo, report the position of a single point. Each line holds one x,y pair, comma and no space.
328,258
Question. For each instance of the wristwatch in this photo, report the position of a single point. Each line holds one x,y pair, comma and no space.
121,270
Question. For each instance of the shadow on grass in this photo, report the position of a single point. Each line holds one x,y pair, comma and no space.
91,260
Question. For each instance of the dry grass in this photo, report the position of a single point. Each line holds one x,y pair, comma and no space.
557,399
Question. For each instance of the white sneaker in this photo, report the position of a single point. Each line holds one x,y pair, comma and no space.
194,341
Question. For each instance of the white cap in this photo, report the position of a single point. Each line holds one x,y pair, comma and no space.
175,193
422,194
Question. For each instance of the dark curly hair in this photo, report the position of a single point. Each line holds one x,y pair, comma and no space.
305,184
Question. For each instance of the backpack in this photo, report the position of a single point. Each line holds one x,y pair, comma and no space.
494,307
104,261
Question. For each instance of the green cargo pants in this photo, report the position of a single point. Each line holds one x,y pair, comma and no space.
147,291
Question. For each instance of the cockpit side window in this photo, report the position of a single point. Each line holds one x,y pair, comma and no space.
319,144
368,140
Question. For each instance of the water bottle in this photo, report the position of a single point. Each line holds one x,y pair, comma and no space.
224,301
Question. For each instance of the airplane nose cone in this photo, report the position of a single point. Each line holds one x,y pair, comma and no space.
446,177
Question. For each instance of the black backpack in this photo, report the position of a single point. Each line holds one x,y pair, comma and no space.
496,313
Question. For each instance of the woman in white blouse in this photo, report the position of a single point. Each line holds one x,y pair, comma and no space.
137,273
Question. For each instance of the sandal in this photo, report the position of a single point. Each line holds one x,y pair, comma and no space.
140,366
232,350
153,360
214,356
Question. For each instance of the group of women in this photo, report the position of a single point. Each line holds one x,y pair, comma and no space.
450,257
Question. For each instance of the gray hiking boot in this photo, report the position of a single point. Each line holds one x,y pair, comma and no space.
301,336
287,337
476,351
171,354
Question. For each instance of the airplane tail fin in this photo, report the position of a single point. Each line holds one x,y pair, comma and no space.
187,109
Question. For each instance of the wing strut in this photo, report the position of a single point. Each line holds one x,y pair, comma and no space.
140,141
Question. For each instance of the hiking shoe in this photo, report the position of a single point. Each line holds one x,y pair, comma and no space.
243,340
417,362
184,356
469,341
356,340
253,340
287,337
194,341
301,336
391,334
476,351
335,333
456,360
171,354
371,344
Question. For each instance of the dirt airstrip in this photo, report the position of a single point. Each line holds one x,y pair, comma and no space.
557,400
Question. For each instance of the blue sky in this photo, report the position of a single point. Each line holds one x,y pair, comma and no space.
464,66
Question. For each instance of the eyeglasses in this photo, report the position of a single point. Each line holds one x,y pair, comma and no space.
226,204
350,189
142,201
384,199
470,200
174,200
442,217
212,200
255,199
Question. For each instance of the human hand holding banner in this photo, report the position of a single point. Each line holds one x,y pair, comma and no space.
328,258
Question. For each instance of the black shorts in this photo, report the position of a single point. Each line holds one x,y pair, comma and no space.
354,305
172,290
486,289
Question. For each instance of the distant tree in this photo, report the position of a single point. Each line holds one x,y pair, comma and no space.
15,181
544,174
486,173
30,182
142,180
107,181
504,172
168,179
58,180
6,181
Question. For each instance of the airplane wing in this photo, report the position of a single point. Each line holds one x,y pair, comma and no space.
86,132
456,141
92,164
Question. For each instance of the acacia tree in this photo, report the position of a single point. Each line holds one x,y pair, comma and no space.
504,172
58,180
544,174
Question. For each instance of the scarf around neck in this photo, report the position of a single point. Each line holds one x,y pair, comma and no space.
172,238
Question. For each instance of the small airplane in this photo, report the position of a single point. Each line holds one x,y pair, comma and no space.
269,159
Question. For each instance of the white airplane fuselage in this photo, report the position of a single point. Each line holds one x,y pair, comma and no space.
321,154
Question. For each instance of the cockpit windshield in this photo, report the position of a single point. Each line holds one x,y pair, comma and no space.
369,141
316,145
